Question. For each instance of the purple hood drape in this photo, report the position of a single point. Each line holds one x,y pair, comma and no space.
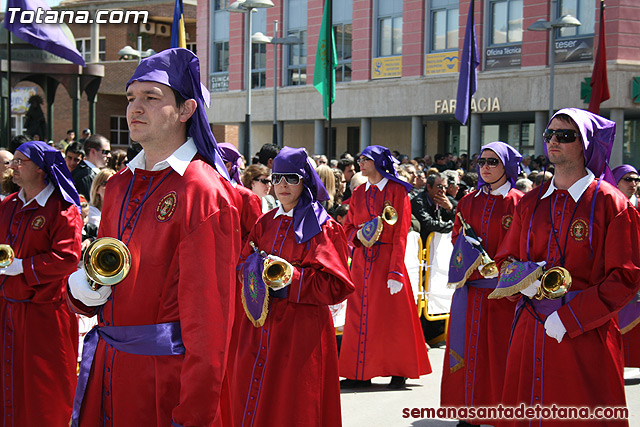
231,154
510,158
384,162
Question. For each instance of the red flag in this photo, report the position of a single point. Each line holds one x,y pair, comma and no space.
599,82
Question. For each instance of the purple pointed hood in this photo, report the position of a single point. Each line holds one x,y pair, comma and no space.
510,158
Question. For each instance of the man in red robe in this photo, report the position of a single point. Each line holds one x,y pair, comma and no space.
568,351
382,333
159,354
42,224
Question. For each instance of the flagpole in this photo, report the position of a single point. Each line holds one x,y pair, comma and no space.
330,153
472,10
8,116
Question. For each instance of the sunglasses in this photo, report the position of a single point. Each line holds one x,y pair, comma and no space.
631,179
563,136
291,178
106,152
361,160
19,162
265,181
492,162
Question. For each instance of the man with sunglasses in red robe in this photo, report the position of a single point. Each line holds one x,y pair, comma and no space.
565,349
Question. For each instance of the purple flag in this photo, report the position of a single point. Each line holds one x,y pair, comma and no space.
468,77
49,37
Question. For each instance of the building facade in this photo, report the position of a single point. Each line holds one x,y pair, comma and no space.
397,74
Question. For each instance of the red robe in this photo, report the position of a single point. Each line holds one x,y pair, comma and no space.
382,333
286,371
251,210
488,321
184,249
585,369
40,332
631,348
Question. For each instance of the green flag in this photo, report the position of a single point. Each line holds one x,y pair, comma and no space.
324,64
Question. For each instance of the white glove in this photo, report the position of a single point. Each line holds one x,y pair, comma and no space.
276,285
13,269
542,263
531,290
394,286
79,287
554,327
474,242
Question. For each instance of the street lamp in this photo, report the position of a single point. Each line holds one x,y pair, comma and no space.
542,25
260,38
248,6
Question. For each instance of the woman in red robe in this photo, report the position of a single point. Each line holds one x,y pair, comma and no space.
286,365
479,328
382,333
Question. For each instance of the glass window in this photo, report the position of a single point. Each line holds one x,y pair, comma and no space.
119,130
444,29
219,47
220,4
84,47
259,65
343,35
390,36
506,21
297,68
220,56
584,10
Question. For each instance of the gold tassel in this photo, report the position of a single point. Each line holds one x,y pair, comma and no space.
630,326
265,310
459,359
468,273
512,290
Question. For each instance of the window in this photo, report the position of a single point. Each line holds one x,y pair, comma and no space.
84,47
297,68
389,27
444,25
343,35
220,4
259,65
119,130
219,47
220,56
192,47
584,10
506,21
297,54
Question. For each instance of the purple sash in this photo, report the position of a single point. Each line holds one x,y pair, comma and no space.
458,321
163,339
546,306
629,315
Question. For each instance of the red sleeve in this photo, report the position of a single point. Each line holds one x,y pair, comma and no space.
511,243
350,227
251,211
396,235
208,257
596,305
62,260
323,275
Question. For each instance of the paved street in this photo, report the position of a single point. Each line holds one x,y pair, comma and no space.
379,406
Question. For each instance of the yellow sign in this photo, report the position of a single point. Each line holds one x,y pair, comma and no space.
441,63
385,68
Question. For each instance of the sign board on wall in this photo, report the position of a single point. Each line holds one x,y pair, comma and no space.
386,68
441,63
20,98
503,57
574,50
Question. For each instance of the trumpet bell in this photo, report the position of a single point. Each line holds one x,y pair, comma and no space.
554,283
489,269
6,256
390,215
275,272
107,261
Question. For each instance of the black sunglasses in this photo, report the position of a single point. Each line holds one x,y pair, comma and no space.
631,179
265,181
563,136
291,178
106,152
491,161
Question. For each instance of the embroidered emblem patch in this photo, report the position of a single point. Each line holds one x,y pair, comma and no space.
38,222
506,221
457,259
166,207
579,229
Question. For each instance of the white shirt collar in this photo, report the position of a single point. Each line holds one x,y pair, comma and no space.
381,184
178,160
92,166
41,198
282,212
576,190
502,191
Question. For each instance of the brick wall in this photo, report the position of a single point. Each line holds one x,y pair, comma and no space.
362,39
413,37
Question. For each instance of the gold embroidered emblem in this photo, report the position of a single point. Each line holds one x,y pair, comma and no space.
579,229
166,207
38,222
506,221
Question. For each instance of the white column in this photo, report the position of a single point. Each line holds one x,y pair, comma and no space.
540,125
417,137
95,45
617,115
318,134
476,134
365,133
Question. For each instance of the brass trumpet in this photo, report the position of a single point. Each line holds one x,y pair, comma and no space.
488,266
107,262
6,256
274,272
554,283
389,215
